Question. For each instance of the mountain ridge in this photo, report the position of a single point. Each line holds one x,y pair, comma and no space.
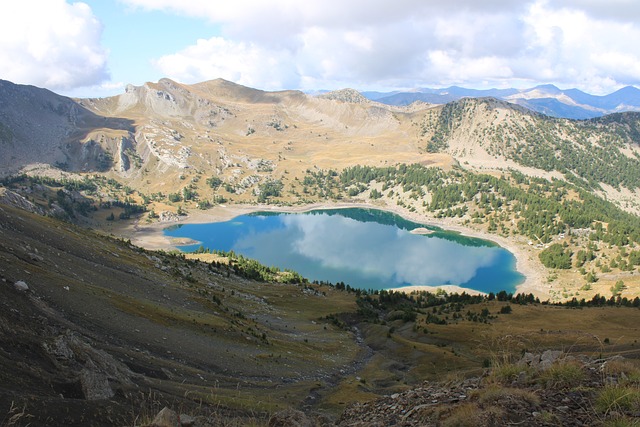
547,99
157,134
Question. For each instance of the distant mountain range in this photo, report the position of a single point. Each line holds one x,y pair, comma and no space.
545,99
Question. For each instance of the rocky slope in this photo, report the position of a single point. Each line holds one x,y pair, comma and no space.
97,332
38,126
539,390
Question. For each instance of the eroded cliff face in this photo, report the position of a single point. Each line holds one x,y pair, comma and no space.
38,126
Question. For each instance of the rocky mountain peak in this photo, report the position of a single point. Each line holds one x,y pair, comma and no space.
346,95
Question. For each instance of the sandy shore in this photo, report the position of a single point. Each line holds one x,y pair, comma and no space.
150,236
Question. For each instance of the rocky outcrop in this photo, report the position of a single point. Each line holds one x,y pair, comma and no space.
97,368
346,95
10,198
95,384
166,418
552,388
39,126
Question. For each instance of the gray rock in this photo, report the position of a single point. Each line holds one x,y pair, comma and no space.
548,358
95,385
186,420
166,418
522,377
290,418
529,359
60,349
35,257
21,286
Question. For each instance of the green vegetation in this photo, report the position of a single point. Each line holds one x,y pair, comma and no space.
617,289
618,398
269,189
543,211
555,256
587,152
214,182
252,269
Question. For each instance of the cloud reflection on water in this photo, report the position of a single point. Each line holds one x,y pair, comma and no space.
383,252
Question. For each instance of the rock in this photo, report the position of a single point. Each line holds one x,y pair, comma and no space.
522,377
35,257
60,349
21,286
166,418
186,420
530,359
548,358
290,418
95,385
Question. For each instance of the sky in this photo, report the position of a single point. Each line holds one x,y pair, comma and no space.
95,48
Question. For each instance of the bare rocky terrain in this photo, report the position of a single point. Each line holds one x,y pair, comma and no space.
93,329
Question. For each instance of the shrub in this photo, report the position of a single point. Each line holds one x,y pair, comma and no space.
506,309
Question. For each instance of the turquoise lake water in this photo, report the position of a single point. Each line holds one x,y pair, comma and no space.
365,248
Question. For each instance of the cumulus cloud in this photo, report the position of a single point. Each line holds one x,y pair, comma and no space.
240,62
51,43
405,43
396,257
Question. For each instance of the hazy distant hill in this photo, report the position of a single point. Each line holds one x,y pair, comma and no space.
546,99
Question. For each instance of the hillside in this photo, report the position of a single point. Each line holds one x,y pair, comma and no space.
105,331
97,331
601,154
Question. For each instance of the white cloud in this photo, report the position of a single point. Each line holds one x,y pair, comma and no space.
240,62
572,46
384,252
51,43
586,43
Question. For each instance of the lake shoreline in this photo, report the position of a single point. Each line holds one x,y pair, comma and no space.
151,236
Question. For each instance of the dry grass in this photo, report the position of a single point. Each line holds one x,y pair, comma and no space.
16,416
465,415
494,393
563,374
507,373
627,371
618,398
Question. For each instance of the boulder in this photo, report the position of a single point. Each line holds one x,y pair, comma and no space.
529,359
187,420
21,286
290,418
166,418
95,385
548,358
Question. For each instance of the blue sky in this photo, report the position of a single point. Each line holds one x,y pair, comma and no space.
135,37
96,47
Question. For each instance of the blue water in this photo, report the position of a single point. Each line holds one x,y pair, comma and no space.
365,248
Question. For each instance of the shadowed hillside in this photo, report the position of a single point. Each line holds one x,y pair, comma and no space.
96,331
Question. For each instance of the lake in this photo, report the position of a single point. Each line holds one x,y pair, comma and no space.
364,248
